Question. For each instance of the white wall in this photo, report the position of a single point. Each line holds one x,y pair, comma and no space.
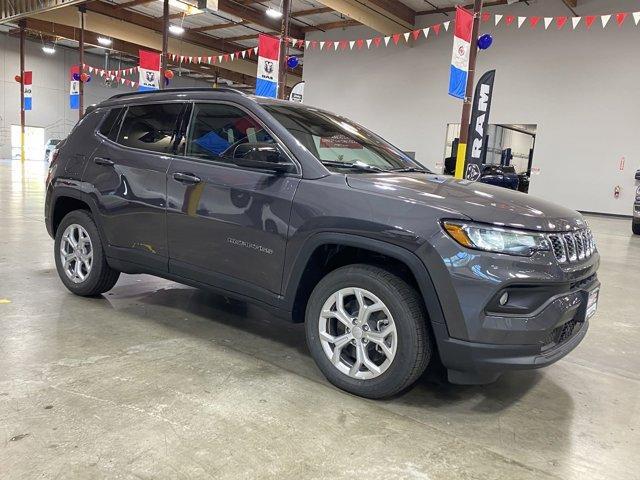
50,89
582,89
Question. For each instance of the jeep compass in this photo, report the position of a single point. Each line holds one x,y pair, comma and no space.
319,220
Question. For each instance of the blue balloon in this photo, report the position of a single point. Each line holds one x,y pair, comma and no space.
485,41
76,77
293,62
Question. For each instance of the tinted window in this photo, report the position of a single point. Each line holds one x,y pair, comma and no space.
110,124
216,129
150,127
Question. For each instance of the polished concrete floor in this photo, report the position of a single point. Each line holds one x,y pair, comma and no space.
158,380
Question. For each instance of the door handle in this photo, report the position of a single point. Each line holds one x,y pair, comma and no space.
103,161
186,177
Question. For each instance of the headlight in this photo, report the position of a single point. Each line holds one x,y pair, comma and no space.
496,239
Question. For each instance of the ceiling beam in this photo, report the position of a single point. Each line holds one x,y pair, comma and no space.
311,11
446,10
257,17
126,47
133,3
380,15
219,26
323,27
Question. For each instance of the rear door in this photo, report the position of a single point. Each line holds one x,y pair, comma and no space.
127,177
227,225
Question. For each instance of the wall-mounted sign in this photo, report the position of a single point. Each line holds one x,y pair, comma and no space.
297,92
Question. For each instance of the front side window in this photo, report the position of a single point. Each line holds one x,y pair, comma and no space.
340,144
217,129
150,127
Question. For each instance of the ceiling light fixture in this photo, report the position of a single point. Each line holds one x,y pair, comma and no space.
273,13
104,41
48,49
176,29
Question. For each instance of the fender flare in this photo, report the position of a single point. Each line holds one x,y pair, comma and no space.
410,259
70,192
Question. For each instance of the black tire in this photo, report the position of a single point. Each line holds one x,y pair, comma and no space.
636,228
101,277
405,305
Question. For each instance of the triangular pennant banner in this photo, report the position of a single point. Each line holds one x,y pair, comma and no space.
589,19
377,41
255,50
521,21
509,19
336,45
219,58
636,17
233,56
351,44
620,18
359,43
426,32
306,44
321,45
547,22
436,28
605,19
415,34
369,40
560,22
486,16
446,25
497,19
396,38
533,21
244,53
406,36
386,41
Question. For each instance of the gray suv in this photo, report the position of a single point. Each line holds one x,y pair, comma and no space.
317,219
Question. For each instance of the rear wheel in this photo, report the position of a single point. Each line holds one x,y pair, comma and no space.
636,228
366,329
79,256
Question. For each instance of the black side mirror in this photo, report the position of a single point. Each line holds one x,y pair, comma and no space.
262,156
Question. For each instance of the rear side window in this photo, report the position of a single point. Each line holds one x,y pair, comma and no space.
150,127
111,123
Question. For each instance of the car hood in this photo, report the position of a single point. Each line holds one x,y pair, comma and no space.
477,201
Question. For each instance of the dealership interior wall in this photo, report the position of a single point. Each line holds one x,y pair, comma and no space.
580,87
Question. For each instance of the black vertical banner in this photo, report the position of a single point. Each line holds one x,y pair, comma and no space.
479,125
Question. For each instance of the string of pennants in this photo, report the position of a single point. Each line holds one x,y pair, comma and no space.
518,22
117,75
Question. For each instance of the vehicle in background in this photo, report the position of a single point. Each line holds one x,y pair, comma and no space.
636,207
523,182
49,147
500,175
321,221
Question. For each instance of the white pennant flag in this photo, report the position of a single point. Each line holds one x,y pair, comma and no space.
521,21
293,42
219,58
306,43
498,18
244,52
321,45
575,21
351,44
426,32
547,22
636,17
199,59
386,41
336,45
605,19
255,50
406,36
446,25
369,40
122,80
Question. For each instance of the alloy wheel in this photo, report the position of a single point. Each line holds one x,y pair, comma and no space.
357,333
76,253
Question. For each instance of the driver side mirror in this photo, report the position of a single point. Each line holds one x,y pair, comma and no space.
262,156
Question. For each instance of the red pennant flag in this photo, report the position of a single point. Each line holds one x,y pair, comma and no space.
589,19
328,44
226,57
343,44
396,38
436,28
560,21
415,34
360,43
300,43
314,44
377,41
509,19
534,21
486,16
620,18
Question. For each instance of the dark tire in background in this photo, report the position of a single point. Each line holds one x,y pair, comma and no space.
80,258
636,228
367,331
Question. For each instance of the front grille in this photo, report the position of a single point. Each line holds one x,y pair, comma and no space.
572,246
561,334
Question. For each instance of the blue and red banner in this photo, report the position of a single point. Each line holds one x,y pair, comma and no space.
460,56
74,87
149,70
27,85
268,58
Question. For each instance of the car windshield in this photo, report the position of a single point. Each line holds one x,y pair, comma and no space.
340,144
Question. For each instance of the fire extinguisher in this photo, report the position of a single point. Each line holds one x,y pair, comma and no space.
616,191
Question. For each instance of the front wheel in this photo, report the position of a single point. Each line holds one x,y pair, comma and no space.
367,331
80,259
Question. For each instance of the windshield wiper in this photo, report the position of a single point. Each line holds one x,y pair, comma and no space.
353,166
409,169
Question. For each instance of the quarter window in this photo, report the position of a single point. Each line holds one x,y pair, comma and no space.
216,129
111,123
150,127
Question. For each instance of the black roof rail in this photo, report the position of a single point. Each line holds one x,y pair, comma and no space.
175,90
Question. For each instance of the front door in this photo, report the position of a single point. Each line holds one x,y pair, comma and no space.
227,225
127,175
